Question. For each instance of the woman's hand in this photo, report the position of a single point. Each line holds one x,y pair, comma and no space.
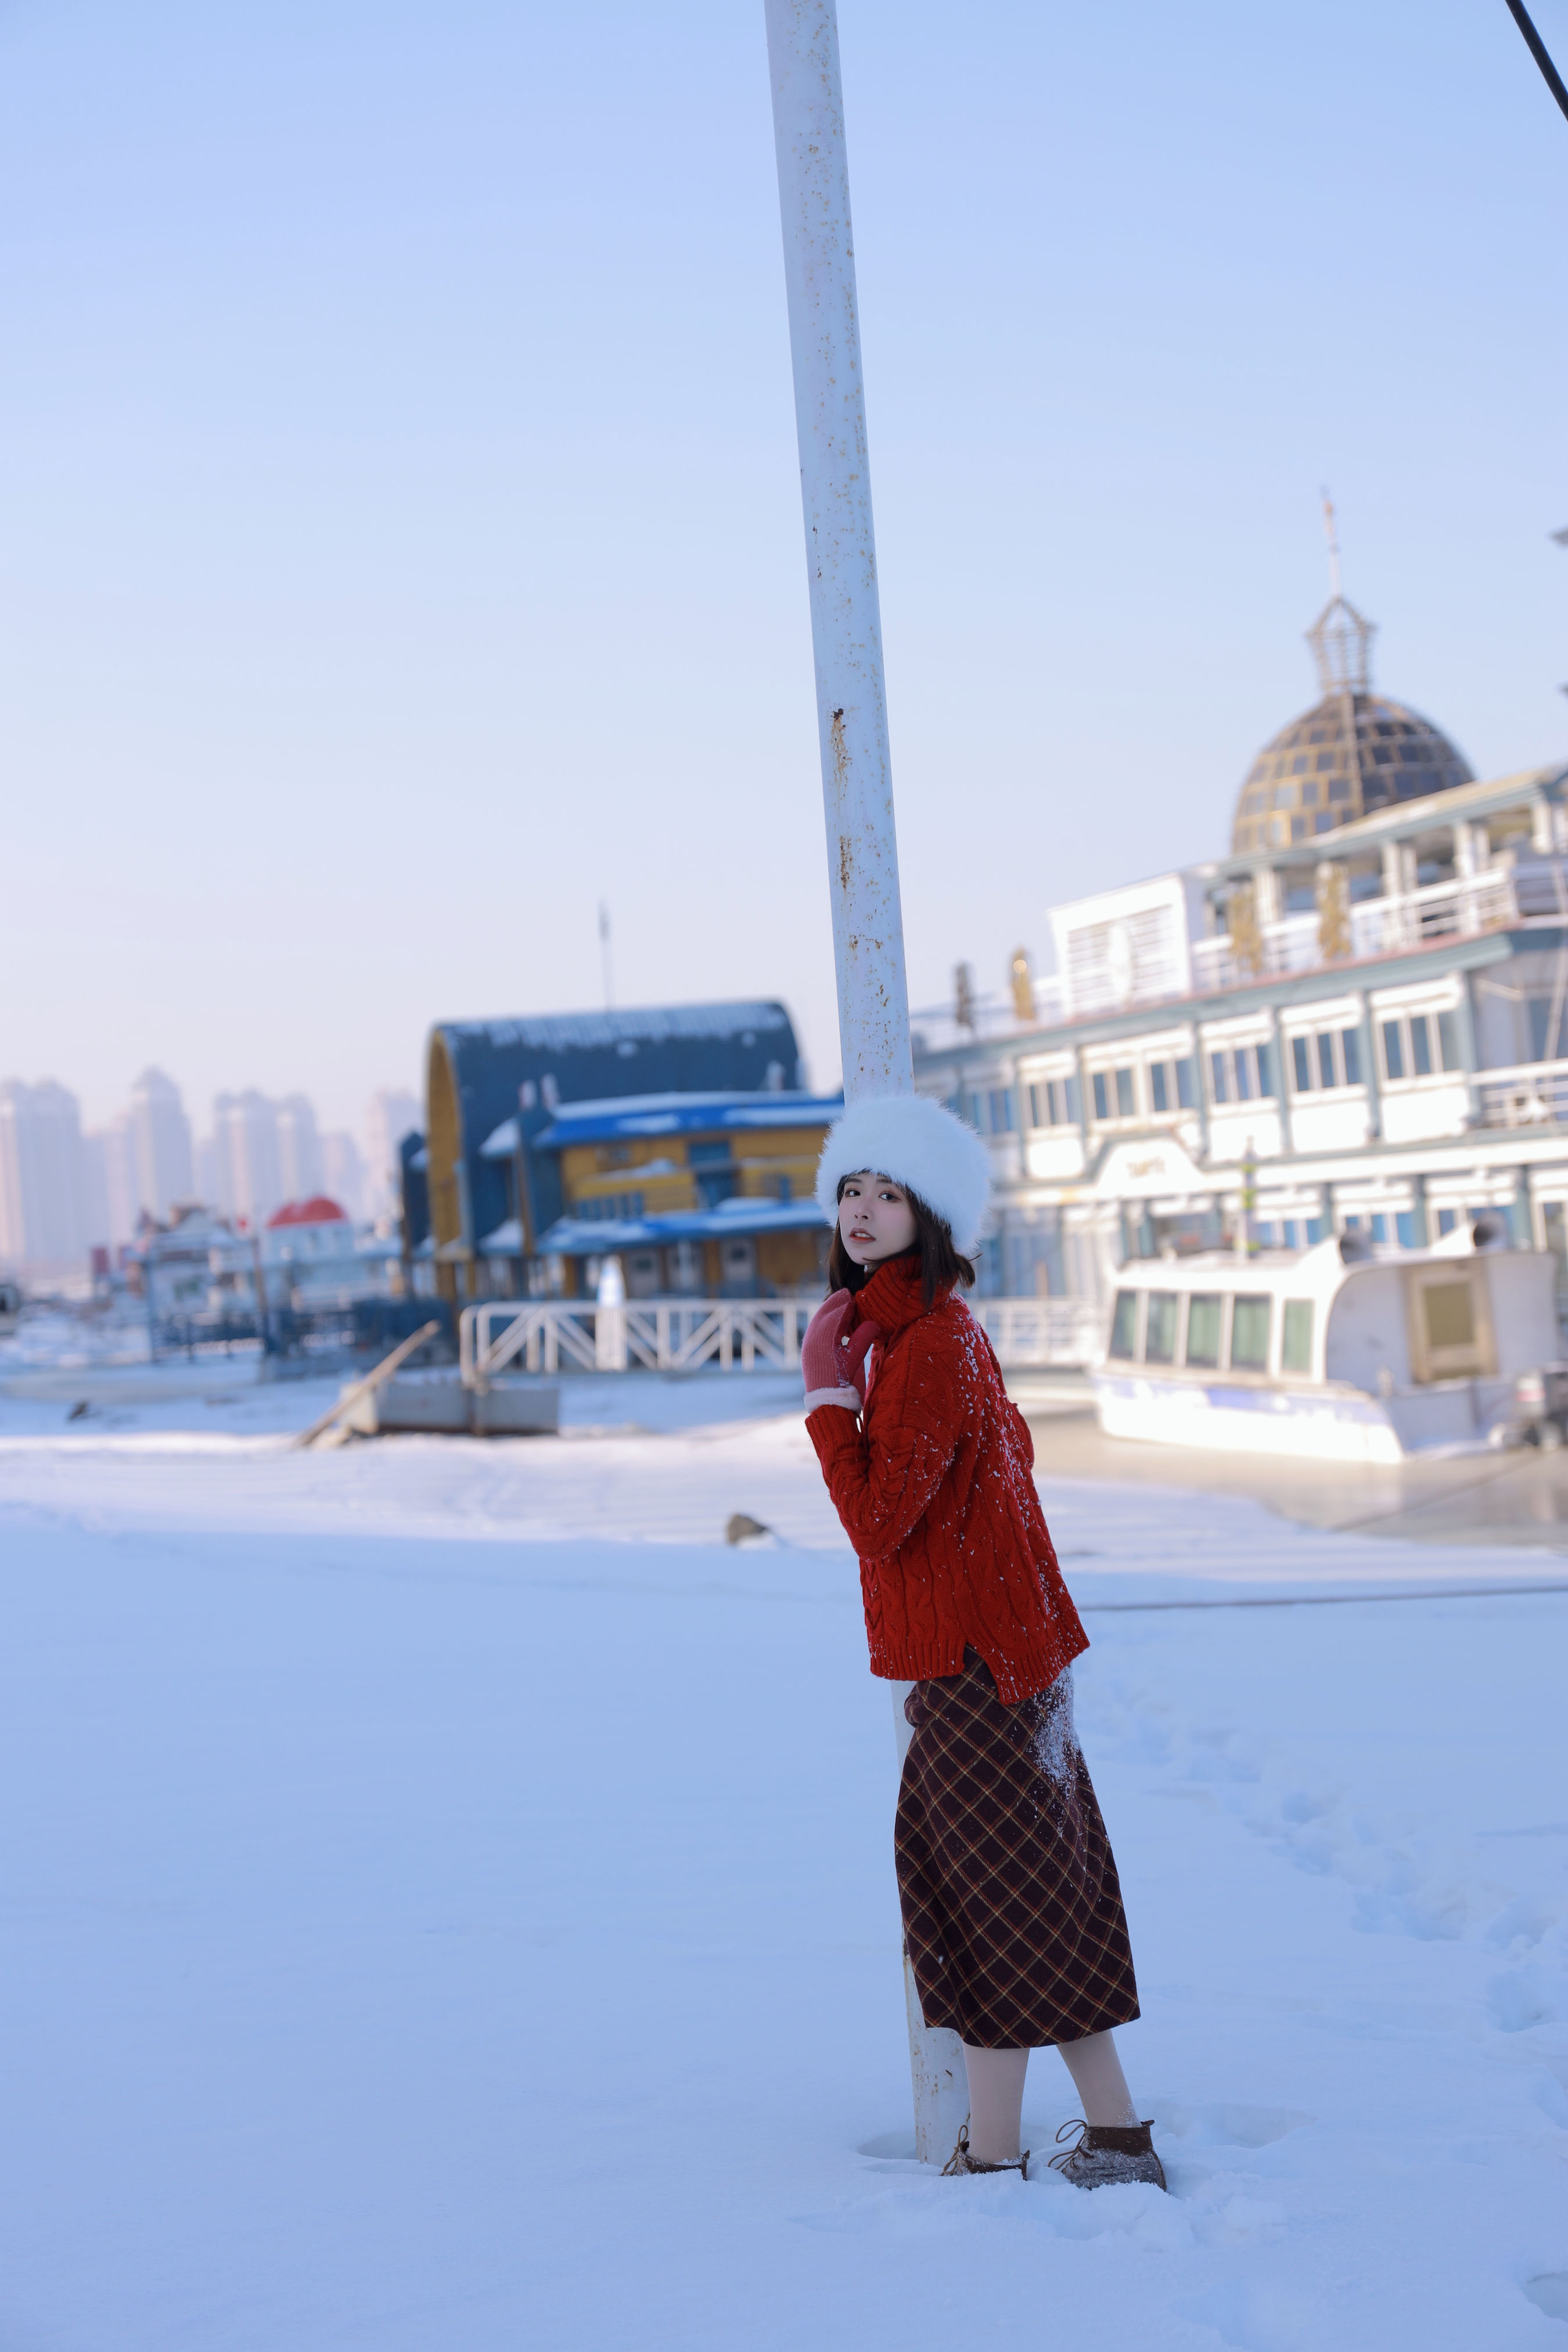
820,1356
831,1356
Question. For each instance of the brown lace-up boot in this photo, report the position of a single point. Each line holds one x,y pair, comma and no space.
961,2161
1104,2153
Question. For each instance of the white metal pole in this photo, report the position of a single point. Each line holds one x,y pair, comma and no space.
840,547
851,706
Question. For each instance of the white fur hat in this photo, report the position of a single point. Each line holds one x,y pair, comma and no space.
920,1145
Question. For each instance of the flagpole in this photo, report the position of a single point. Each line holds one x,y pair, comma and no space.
851,704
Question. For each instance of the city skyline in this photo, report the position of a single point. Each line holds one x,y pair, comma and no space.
66,1189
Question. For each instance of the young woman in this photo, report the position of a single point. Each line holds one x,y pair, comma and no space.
1011,1904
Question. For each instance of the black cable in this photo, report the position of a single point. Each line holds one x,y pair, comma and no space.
1539,52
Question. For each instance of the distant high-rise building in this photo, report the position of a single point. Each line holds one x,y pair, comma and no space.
96,1221
161,1142
245,1162
111,1194
344,1173
213,1185
393,1114
40,1175
299,1149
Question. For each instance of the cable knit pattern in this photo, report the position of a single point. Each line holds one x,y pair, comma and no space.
934,1486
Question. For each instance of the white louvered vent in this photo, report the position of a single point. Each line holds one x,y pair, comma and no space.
1131,960
1153,939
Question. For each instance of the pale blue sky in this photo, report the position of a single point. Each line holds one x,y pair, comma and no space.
400,545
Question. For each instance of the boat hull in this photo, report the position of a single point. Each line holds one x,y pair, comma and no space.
1324,1425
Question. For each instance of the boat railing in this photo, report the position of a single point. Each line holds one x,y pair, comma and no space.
1535,1094
1382,926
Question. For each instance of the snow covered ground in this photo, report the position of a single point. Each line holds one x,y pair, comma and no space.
447,1904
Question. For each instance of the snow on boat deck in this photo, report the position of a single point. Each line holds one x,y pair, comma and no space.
447,1903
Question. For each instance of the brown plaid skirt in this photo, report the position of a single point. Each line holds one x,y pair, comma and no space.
1013,1915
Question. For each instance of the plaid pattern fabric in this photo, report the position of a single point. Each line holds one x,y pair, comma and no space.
1012,1906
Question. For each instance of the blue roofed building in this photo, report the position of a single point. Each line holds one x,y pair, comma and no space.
501,1219
706,1195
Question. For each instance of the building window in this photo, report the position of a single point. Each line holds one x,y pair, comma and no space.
992,1113
1114,1094
1172,1086
1327,1059
1241,1074
1420,1044
713,1171
614,1206
1053,1102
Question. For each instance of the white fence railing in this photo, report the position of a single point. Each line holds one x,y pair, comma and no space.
732,1334
664,1335
1027,1332
1535,1095
1383,926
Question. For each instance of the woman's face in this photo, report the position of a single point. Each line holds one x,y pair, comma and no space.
875,1219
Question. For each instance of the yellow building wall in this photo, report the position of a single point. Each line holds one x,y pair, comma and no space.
595,1172
792,1261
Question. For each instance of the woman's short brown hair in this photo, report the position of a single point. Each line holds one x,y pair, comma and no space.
940,1264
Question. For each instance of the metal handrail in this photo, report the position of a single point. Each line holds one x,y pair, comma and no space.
1470,902
1531,1094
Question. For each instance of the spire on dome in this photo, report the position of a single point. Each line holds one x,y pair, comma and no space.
1341,637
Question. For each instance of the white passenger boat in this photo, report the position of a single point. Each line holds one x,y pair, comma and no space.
1347,1352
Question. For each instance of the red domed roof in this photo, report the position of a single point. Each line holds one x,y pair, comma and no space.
317,1211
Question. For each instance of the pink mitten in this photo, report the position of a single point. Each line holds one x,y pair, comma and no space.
821,1358
853,1352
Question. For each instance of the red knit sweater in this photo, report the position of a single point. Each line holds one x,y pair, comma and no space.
933,1485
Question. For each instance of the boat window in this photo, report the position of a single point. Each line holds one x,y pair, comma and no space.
1450,1330
1296,1349
1250,1335
1451,1315
1202,1329
1159,1344
1124,1325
